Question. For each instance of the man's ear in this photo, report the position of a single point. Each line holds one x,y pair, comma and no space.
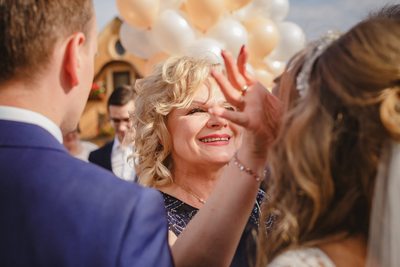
72,61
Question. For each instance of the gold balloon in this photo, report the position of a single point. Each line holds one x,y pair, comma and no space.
263,36
139,13
204,13
233,5
257,63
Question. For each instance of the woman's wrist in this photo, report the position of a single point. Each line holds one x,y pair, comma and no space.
251,161
258,175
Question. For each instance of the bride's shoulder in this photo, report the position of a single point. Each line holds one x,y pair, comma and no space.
304,257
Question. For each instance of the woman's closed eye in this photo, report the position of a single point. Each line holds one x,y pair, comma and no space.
196,110
230,108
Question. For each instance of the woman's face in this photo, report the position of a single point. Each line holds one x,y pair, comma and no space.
199,138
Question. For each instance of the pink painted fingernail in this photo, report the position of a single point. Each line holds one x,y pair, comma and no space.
241,49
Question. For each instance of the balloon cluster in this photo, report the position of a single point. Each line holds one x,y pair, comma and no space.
155,29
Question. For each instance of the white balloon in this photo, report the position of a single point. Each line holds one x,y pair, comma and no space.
250,69
206,48
274,66
137,41
273,9
292,40
172,32
231,33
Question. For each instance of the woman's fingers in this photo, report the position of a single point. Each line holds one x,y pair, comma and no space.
241,64
238,118
231,94
232,71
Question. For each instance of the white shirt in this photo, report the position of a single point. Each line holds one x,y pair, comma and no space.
87,147
122,166
302,257
28,116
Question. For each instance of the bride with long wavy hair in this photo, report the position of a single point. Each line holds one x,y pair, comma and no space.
331,144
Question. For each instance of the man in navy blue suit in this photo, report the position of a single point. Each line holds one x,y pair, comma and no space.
57,210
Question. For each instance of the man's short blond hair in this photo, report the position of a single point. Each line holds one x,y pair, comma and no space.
29,29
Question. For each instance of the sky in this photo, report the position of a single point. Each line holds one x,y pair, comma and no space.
315,17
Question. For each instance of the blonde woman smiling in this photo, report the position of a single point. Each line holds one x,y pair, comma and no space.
183,149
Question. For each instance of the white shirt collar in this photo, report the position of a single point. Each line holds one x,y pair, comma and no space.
28,116
116,143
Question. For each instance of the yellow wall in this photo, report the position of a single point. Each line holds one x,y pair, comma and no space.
94,124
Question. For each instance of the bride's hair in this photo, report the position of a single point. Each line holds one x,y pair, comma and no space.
324,161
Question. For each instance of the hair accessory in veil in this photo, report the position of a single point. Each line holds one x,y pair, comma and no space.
384,234
314,51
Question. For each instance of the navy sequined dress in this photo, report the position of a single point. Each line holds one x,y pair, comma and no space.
179,215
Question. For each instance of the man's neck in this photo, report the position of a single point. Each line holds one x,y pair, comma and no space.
16,94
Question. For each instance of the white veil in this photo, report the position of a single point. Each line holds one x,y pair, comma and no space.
384,235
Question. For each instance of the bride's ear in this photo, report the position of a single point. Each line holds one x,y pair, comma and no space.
390,112
72,59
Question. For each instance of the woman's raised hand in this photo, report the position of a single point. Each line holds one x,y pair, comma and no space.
258,111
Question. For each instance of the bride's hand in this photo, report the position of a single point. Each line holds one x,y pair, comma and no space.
258,111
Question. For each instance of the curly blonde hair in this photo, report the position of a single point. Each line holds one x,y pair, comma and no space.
325,159
171,85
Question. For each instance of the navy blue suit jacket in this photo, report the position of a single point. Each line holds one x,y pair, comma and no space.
60,211
102,156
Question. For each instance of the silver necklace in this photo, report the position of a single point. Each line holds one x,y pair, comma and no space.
190,192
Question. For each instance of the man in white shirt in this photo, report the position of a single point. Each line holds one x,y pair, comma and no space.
116,155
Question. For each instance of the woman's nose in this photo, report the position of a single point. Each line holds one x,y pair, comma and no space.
216,122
